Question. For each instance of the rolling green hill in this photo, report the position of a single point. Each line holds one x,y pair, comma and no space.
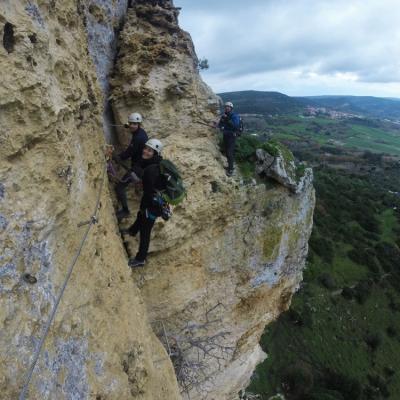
272,103
266,103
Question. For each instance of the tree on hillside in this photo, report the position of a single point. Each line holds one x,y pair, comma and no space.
203,64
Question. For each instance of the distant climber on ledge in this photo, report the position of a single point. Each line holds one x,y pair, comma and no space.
134,152
229,125
150,209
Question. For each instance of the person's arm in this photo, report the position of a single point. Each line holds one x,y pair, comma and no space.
137,173
126,153
137,148
152,184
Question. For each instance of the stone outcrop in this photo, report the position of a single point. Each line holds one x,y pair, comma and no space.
224,266
277,163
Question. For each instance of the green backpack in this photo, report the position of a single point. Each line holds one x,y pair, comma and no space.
174,191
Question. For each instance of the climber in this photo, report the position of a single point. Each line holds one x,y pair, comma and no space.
229,125
149,209
134,152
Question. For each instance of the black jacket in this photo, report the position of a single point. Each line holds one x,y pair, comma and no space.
152,182
135,149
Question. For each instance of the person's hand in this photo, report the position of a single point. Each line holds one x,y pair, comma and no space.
108,150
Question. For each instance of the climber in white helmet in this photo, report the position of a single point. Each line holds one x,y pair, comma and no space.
149,210
134,152
229,124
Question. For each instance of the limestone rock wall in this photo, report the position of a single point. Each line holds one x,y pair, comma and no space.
101,344
225,265
229,260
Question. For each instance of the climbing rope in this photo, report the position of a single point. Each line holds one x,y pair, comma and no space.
93,220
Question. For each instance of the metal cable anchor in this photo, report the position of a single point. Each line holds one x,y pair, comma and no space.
93,220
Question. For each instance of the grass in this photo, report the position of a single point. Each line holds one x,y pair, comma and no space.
335,339
388,223
247,169
353,134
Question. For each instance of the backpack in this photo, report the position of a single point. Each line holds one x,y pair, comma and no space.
239,130
174,191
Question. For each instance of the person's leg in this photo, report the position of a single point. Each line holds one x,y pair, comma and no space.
146,225
225,144
231,152
135,227
120,190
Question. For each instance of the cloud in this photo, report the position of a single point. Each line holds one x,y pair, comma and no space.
312,39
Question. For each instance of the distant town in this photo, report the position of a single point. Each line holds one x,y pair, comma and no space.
316,111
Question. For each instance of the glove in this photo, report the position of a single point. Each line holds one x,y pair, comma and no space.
166,212
134,178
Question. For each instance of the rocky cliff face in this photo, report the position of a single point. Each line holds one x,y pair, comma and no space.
101,344
225,265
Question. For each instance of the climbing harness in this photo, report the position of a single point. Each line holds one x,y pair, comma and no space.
93,220
111,171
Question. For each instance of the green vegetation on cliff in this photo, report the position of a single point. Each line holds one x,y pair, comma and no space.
341,337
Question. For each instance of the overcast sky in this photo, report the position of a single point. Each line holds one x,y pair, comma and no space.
298,47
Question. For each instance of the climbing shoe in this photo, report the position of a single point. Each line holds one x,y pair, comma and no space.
135,263
122,213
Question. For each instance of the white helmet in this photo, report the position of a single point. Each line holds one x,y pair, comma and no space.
155,144
228,104
135,117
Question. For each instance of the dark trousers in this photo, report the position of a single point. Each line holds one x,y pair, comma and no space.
143,225
120,190
229,148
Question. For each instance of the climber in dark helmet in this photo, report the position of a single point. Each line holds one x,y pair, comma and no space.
134,152
229,124
149,209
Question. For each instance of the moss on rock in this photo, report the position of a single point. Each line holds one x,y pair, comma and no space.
272,239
